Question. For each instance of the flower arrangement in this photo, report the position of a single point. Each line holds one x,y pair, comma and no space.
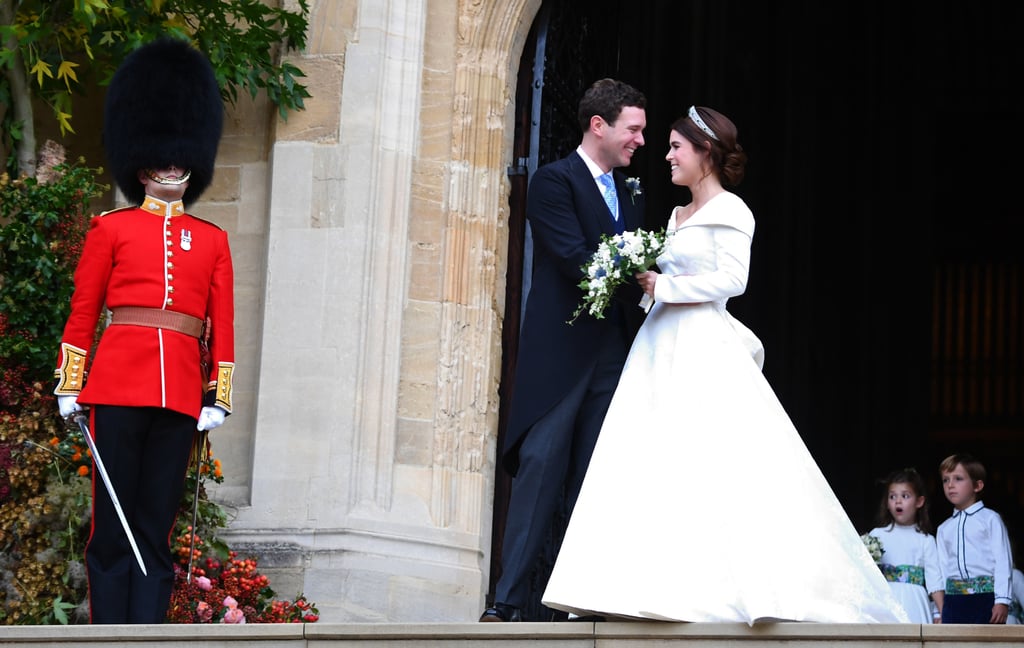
45,486
617,258
230,591
44,515
633,184
45,504
43,221
223,588
874,546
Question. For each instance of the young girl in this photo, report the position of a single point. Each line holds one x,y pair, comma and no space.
910,559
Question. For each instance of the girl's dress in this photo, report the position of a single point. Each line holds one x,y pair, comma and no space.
910,562
701,502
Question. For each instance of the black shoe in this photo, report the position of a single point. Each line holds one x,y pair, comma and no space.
502,612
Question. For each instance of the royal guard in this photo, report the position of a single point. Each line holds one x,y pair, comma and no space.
163,367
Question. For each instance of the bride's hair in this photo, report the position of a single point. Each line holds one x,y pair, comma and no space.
727,156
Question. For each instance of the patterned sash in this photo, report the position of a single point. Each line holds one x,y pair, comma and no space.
912,574
976,585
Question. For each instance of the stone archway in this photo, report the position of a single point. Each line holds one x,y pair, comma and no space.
473,259
377,396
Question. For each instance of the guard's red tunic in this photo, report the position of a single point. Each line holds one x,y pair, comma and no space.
153,256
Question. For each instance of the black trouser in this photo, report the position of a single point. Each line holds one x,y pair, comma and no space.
145,451
968,608
554,455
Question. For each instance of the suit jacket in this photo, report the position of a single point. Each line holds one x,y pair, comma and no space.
155,256
567,216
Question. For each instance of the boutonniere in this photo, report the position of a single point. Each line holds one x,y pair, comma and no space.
633,184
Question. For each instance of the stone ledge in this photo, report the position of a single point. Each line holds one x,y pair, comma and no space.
519,635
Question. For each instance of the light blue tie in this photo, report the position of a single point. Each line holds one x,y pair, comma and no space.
610,197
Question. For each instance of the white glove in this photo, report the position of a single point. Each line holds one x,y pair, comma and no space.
210,417
68,405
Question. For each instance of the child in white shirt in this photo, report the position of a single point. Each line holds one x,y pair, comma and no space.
974,548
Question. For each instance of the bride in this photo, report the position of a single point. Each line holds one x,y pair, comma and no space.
701,502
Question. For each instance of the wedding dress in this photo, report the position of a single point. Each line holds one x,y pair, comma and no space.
702,502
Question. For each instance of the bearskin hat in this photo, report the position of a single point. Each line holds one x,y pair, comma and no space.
163,108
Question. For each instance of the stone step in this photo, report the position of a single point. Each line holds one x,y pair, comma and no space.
516,635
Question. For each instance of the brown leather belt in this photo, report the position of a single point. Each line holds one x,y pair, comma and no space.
158,318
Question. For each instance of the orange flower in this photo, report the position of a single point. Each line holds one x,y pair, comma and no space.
83,470
54,441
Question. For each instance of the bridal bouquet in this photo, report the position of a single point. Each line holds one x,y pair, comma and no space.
617,259
874,546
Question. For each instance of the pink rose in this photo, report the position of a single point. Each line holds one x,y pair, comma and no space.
233,615
230,602
204,583
204,611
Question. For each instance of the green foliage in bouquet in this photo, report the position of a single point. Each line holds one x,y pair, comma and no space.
874,546
616,260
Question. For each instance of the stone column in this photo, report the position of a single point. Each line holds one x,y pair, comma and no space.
380,340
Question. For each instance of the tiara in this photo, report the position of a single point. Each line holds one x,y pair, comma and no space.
700,123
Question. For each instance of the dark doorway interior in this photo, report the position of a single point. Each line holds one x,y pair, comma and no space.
886,280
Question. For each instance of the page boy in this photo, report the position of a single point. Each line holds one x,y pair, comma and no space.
974,548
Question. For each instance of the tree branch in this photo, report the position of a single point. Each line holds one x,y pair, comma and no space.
21,97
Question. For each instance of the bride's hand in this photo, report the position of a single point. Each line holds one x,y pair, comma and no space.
646,281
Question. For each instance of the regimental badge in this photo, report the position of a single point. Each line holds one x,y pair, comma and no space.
186,239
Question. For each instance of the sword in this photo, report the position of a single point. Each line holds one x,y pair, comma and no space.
80,419
199,455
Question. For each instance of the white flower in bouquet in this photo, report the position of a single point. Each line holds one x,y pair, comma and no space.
874,546
617,258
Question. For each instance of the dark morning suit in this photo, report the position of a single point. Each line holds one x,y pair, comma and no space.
565,374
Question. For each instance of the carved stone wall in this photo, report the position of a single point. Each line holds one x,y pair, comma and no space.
369,234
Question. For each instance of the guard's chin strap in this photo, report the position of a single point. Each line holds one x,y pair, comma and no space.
168,181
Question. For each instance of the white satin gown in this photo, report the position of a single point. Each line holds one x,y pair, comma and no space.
702,502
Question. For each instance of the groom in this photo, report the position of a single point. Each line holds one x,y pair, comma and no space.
566,374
